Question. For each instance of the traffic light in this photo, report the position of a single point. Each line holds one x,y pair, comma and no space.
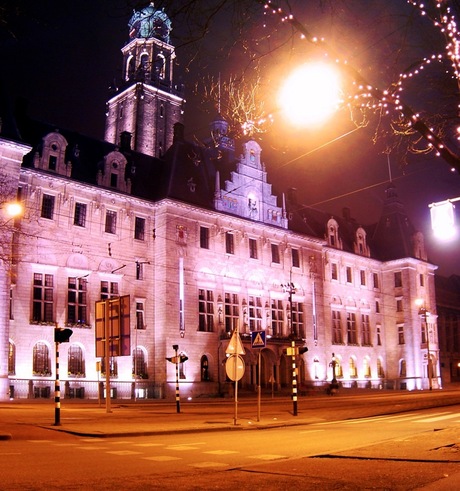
62,335
295,351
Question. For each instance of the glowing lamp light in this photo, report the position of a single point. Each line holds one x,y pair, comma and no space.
443,220
13,209
310,94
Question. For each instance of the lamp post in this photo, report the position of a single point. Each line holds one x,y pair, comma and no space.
334,385
424,314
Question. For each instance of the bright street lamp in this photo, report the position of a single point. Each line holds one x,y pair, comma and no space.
311,94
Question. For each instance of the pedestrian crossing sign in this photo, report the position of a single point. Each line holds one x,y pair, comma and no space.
258,339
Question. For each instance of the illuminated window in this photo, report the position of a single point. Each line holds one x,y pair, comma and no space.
380,371
277,317
41,364
352,368
366,330
79,218
110,222
139,365
43,295
352,335
75,362
255,313
11,359
140,323
367,368
205,310
47,206
232,311
77,301
337,335
204,364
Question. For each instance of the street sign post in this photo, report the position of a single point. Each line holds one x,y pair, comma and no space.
258,341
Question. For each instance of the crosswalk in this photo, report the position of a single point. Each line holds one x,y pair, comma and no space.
415,418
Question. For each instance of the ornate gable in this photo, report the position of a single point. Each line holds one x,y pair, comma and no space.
247,193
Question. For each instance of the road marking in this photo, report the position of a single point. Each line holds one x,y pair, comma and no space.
40,441
436,418
267,457
180,448
92,448
310,431
221,452
208,464
123,452
162,458
148,445
121,442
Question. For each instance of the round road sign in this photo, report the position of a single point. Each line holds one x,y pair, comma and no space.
234,366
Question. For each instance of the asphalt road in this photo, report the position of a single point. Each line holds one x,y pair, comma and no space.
394,450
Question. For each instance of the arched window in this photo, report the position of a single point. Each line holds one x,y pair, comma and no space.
367,368
204,369
139,365
160,66
11,359
41,365
113,364
352,368
75,362
402,368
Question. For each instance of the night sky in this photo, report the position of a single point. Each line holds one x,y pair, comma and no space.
63,56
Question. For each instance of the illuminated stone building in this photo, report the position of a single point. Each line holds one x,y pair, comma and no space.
197,239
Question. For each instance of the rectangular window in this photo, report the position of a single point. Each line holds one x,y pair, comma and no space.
111,222
232,311
77,301
366,330
377,307
253,248
399,305
277,317
139,270
337,335
140,323
349,274
79,218
275,254
379,336
297,326
52,162
229,243
334,271
375,277
362,276
398,279
352,334
401,334
139,228
47,206
113,180
109,289
11,304
295,258
422,280
204,237
255,313
43,294
205,310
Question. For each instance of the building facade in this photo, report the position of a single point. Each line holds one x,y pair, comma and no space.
197,242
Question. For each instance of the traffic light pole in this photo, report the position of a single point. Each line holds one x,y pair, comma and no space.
175,348
57,390
294,379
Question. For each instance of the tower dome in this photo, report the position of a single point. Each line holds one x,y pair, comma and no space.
150,22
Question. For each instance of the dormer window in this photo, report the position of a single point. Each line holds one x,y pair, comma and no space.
361,243
52,156
52,163
333,233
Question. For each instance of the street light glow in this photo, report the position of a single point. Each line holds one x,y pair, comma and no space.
310,94
13,209
443,220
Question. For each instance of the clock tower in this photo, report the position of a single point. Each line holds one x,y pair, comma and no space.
148,104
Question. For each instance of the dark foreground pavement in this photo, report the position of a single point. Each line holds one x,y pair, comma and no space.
129,418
